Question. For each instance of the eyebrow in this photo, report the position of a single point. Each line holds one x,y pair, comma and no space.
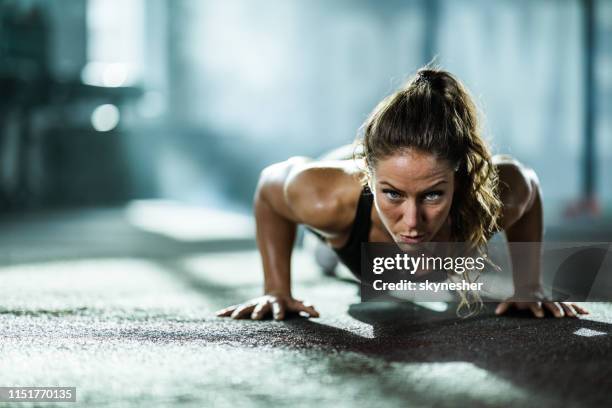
427,189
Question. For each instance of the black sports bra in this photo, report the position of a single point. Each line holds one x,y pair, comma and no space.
350,253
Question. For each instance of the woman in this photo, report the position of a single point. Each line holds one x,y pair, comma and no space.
425,174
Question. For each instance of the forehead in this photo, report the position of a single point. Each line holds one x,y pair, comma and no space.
413,170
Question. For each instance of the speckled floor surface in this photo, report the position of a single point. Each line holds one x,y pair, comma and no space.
127,318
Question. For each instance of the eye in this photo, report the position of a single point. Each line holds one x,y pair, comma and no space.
391,194
433,195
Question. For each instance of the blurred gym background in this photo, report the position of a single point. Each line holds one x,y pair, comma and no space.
108,101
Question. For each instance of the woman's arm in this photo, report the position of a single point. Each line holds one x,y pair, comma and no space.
522,221
276,228
296,191
276,225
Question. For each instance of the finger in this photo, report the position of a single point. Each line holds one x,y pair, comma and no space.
554,308
308,309
502,308
536,309
569,309
226,311
243,311
278,310
260,310
580,309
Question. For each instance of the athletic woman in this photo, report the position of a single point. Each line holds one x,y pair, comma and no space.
424,174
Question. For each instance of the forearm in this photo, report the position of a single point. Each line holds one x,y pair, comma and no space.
526,257
275,239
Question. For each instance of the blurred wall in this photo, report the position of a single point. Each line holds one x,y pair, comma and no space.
299,77
219,89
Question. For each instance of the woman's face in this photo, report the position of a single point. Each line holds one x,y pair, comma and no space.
413,193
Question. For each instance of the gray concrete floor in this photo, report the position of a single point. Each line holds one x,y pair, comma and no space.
126,316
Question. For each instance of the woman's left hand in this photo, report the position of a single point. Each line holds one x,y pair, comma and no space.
558,309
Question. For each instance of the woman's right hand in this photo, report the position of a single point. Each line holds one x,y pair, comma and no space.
277,305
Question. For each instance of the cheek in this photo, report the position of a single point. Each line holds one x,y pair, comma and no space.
439,210
387,211
438,214
384,206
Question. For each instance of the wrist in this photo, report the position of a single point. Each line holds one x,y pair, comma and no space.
277,292
531,292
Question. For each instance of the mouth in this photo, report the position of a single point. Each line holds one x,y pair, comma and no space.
412,240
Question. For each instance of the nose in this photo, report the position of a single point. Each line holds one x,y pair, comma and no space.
411,215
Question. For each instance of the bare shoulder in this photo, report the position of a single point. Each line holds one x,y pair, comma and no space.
324,194
517,187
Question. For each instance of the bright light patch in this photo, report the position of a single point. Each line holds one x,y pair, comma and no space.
588,333
105,117
72,286
92,73
110,75
434,306
114,75
189,223
462,381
